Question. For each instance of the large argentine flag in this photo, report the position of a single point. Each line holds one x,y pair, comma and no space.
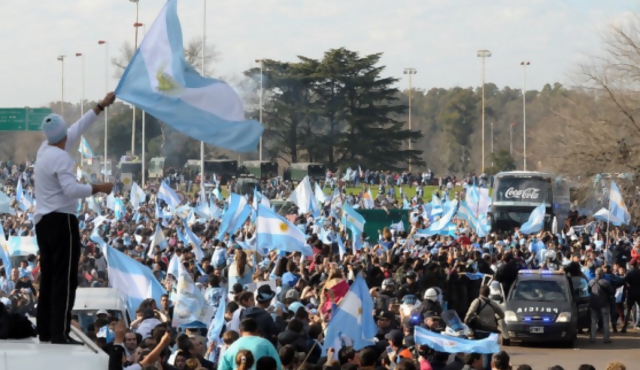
237,213
275,232
133,279
535,222
160,81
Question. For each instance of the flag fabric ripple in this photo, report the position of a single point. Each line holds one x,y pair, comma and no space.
159,81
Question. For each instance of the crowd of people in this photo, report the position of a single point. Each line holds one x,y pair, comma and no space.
282,326
274,306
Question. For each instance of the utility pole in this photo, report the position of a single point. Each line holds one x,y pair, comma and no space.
410,72
524,110
483,54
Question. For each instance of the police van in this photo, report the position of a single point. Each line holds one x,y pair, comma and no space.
545,306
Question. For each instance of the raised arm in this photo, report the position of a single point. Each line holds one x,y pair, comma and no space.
78,129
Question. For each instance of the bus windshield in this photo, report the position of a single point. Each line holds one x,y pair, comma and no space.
523,190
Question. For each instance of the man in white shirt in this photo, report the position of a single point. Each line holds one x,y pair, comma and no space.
57,229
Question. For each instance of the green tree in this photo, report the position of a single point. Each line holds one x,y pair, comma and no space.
502,161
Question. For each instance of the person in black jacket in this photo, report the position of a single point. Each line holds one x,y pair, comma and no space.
268,328
632,280
507,273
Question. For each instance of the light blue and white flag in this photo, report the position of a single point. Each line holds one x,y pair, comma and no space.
436,205
466,213
161,82
535,222
617,207
157,239
276,232
449,344
169,196
190,307
18,246
119,209
195,241
353,318
106,333
233,218
19,190
303,196
441,223
215,328
85,149
4,253
137,195
5,204
133,279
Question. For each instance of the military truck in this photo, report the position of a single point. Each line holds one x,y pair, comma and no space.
156,168
246,184
297,171
224,169
262,170
130,170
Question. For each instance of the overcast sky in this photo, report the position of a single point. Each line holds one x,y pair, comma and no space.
437,37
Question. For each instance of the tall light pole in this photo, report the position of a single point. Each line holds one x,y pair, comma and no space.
483,54
135,47
524,110
144,163
61,59
82,101
511,138
106,109
204,40
261,61
491,144
410,72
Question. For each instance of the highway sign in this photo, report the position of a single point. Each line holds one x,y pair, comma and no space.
13,119
35,117
21,119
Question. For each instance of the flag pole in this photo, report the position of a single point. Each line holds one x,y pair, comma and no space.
606,236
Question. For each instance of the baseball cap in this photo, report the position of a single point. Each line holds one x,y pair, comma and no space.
102,312
395,336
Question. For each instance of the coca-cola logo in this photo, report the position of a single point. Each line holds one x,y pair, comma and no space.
528,193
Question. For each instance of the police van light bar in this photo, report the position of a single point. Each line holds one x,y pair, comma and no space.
539,272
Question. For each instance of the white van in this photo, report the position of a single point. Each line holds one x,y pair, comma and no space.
90,300
18,354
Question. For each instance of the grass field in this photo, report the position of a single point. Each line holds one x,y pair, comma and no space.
409,192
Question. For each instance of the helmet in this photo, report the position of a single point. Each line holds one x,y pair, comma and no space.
388,283
431,294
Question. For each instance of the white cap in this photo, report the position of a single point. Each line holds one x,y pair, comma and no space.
102,312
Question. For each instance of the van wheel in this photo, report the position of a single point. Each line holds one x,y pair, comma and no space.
504,341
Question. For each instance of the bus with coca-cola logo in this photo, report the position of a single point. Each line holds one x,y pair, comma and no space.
517,193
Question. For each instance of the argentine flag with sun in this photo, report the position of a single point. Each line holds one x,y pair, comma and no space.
276,232
159,81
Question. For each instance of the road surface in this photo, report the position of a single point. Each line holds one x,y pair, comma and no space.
625,348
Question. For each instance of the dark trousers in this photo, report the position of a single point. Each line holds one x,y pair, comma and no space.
59,242
631,304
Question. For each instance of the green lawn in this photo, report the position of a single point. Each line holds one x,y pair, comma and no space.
410,192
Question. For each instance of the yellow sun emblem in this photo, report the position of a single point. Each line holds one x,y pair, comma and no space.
167,85
126,181
360,311
283,227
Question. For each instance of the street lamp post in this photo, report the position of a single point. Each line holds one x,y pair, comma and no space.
61,59
524,111
133,119
483,54
106,109
261,61
491,144
204,40
82,101
511,138
410,72
144,163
